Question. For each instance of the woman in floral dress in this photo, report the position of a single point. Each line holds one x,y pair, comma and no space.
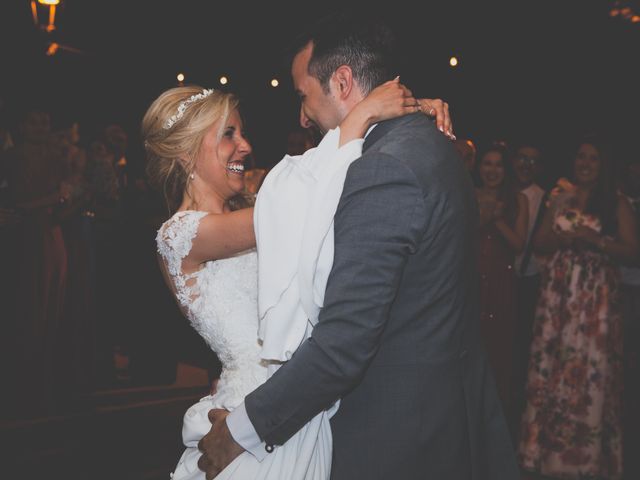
571,427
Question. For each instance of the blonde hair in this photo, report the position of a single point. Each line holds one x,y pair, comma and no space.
171,152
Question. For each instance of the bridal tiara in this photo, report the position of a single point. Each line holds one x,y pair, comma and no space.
183,107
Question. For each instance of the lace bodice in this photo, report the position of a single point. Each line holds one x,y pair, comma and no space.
220,301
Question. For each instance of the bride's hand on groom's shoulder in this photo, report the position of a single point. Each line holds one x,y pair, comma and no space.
218,447
389,100
435,107
393,98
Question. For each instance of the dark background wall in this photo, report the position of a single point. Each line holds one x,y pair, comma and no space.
545,70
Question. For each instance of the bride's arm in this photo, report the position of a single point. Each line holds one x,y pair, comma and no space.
221,236
390,100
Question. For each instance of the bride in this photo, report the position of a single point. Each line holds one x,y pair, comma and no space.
196,150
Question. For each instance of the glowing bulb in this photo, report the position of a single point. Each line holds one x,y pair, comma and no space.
180,77
53,48
453,61
224,80
274,82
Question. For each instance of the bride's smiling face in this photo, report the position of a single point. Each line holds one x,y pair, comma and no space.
220,163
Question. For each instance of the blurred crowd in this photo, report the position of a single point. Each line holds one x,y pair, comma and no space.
560,288
84,304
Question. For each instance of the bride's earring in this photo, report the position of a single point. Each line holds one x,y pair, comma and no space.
192,176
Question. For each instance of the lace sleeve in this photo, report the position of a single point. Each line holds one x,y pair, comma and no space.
175,238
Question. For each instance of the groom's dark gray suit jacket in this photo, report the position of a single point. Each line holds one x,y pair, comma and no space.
398,337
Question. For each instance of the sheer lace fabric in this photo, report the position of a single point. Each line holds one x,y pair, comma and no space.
220,301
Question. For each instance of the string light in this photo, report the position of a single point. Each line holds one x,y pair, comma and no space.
224,80
53,48
628,10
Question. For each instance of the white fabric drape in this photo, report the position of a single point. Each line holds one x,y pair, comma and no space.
293,221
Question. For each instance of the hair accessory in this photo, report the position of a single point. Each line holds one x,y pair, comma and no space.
183,107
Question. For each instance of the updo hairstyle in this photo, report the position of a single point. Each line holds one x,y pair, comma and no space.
172,150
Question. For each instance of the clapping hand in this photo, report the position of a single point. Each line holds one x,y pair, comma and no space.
498,210
563,186
490,210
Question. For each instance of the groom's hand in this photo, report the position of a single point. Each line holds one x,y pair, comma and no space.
218,447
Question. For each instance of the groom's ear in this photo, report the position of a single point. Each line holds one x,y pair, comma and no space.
343,78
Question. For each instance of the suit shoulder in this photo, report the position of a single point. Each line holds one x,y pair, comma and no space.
380,167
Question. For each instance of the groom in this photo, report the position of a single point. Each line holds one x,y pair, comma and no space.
397,339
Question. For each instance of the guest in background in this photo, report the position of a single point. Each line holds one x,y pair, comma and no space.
105,180
571,427
9,271
299,140
141,362
116,140
502,235
37,191
77,344
527,167
253,176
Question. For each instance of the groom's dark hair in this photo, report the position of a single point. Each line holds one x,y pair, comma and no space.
363,42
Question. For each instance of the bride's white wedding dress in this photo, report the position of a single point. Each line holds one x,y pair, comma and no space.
295,228
220,301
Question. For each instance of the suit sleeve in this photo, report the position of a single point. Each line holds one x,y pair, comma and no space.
378,224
